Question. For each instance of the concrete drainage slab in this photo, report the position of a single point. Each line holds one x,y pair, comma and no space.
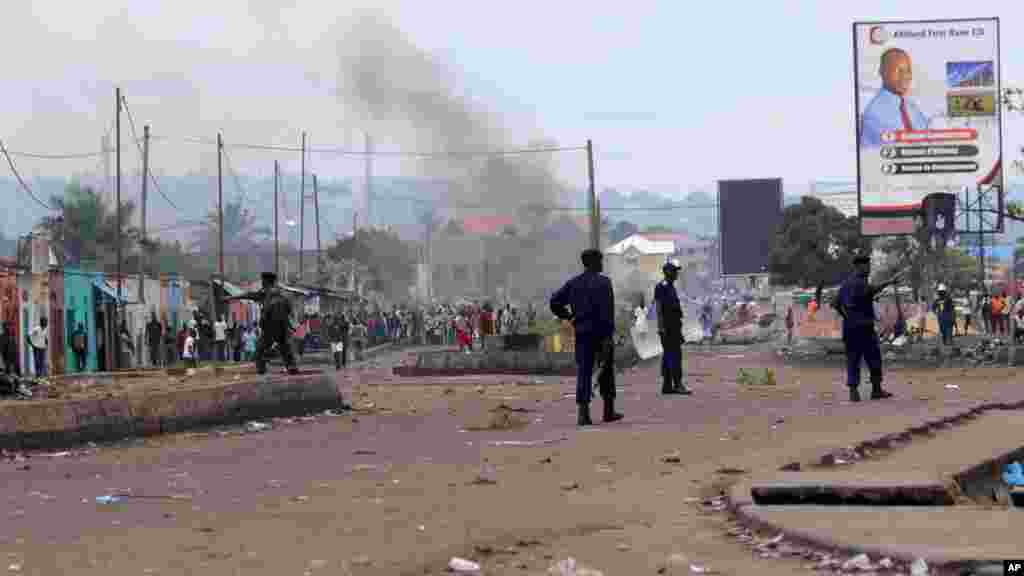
933,491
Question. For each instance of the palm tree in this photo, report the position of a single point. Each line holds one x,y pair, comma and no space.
243,237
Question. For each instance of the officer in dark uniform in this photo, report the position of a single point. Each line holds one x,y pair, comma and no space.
275,322
856,304
670,329
588,301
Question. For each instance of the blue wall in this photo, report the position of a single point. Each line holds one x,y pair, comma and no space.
79,306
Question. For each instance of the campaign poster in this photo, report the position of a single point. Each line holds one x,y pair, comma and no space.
927,96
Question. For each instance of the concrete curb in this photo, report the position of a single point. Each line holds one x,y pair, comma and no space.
748,514
811,493
54,424
741,504
415,371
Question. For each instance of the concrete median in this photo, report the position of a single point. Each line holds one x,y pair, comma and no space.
539,362
55,424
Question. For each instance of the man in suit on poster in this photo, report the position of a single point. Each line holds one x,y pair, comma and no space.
892,108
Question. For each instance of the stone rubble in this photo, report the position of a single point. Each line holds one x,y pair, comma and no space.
821,562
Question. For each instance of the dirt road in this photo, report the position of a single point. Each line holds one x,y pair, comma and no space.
416,476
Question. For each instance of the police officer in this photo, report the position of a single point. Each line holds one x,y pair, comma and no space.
588,301
856,304
275,322
945,310
670,330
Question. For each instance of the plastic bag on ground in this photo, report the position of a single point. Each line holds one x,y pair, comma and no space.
647,343
569,567
463,566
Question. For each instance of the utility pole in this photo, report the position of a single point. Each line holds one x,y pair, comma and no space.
1015,296
107,178
277,249
302,205
220,218
316,216
145,182
595,217
369,180
117,188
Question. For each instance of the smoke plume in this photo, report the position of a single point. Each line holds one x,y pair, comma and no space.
410,98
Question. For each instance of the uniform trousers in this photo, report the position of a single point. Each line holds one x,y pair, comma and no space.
591,352
268,339
862,344
671,358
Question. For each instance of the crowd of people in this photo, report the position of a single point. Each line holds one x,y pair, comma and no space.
465,323
202,339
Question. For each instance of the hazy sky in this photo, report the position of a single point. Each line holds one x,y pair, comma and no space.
674,94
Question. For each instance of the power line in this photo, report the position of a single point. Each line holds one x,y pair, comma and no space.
131,124
553,207
338,151
24,186
234,176
183,225
70,156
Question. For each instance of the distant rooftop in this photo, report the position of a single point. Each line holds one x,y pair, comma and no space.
642,245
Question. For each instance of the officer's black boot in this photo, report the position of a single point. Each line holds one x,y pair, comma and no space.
610,415
583,417
877,393
854,394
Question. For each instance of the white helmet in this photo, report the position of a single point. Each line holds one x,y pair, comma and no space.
941,288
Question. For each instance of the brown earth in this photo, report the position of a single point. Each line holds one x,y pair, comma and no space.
402,485
143,382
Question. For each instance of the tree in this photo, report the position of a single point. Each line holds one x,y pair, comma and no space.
622,230
454,228
390,260
246,243
86,228
814,243
959,270
903,253
241,232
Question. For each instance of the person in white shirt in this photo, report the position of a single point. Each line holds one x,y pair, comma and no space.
220,338
188,353
39,340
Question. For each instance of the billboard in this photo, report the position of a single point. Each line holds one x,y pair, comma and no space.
927,96
749,212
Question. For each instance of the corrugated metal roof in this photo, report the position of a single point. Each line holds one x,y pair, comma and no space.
486,224
642,245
